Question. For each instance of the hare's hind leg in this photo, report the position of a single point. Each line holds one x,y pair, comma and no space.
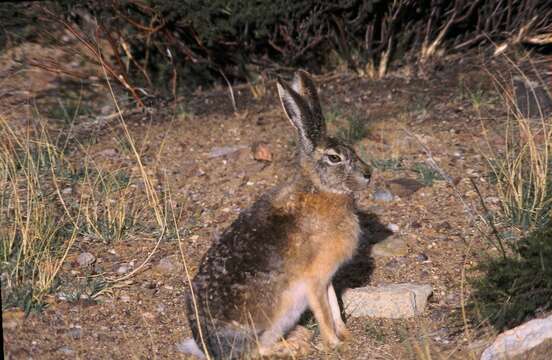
340,327
319,303
291,305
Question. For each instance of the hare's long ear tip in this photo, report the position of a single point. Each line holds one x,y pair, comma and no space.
283,88
279,85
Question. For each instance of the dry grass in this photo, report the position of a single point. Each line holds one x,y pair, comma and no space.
49,202
523,168
37,229
517,286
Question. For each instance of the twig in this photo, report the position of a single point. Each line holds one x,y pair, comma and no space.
491,221
232,98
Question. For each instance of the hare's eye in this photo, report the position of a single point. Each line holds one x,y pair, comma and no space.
334,159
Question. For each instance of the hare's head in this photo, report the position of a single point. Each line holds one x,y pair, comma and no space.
331,165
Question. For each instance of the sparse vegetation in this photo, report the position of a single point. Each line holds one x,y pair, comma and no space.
353,130
388,164
518,285
426,174
37,227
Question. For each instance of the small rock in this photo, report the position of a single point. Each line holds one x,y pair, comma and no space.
108,152
123,268
404,187
124,298
261,151
391,246
66,350
148,316
393,227
383,195
75,332
422,257
520,340
395,301
444,226
86,259
225,151
67,191
166,265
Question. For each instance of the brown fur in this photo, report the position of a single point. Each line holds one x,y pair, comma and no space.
280,255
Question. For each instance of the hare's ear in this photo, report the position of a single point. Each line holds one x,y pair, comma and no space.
300,115
304,86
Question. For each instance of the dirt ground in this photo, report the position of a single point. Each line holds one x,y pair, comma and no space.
405,117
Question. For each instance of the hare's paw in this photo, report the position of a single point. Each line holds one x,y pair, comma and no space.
332,343
343,333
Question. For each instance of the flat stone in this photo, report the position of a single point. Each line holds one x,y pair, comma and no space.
66,350
394,301
392,246
404,187
520,340
225,150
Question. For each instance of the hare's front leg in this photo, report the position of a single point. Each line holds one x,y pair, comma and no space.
340,327
319,303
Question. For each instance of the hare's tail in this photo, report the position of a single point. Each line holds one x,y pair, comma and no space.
190,347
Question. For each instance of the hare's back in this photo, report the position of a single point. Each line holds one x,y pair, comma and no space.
247,263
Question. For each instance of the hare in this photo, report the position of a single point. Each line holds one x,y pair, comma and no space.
278,258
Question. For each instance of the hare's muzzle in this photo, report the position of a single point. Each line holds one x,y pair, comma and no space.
363,174
365,170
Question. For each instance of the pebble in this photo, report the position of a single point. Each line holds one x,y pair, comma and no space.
261,152
393,227
123,269
225,150
75,332
66,350
382,195
422,257
166,265
86,259
108,152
